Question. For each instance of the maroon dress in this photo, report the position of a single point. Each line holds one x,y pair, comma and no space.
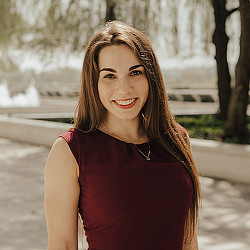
126,202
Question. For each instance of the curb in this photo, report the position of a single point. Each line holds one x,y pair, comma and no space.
222,160
31,131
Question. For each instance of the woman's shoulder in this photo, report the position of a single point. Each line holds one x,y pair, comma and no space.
73,135
69,135
184,133
72,139
182,130
79,141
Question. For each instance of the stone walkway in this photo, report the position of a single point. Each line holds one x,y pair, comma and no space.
224,220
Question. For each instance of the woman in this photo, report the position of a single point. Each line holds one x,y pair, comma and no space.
127,166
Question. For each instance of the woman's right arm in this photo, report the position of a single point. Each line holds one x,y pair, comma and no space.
61,197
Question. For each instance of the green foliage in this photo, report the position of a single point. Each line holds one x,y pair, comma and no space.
55,25
67,27
12,29
12,25
204,126
63,120
49,25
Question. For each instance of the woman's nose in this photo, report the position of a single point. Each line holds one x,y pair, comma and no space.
124,86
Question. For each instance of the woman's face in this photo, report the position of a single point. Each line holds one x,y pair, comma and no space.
122,85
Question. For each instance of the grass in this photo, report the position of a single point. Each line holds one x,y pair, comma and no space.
63,120
204,126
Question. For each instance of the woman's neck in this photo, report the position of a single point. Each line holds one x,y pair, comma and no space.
129,131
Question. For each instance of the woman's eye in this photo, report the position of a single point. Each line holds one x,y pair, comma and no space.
109,76
136,73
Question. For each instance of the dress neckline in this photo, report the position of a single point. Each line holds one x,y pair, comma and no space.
101,132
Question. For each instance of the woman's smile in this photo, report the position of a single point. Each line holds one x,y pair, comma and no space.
125,103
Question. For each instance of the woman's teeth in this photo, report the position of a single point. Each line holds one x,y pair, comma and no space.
127,102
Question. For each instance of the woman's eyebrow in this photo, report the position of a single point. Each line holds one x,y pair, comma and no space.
108,69
114,71
135,67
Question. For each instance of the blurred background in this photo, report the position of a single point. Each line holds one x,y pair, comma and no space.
203,51
42,45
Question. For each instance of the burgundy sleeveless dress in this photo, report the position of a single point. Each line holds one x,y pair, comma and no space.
126,202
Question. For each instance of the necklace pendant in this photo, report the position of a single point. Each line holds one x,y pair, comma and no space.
146,156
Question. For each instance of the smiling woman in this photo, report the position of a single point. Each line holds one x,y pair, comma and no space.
126,167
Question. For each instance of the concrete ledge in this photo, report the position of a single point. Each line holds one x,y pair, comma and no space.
222,160
31,131
213,159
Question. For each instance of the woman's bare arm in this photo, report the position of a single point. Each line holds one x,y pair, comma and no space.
61,197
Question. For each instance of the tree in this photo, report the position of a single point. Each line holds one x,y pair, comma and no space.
64,26
12,27
236,125
220,40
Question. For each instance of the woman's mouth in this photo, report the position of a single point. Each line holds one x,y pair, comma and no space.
126,103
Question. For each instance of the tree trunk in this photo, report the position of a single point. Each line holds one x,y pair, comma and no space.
110,10
236,125
220,40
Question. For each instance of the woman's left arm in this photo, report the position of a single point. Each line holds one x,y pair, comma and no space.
193,245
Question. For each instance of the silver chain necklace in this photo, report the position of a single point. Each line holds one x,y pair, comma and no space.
146,156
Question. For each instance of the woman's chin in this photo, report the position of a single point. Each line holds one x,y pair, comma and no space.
123,117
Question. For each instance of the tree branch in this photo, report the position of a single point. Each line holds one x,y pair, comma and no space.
229,12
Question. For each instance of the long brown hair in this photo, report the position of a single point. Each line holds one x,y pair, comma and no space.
158,122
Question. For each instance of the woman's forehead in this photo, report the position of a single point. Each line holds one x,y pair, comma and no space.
117,56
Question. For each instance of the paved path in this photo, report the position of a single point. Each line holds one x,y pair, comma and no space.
224,221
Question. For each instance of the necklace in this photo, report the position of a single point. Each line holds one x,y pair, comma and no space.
146,156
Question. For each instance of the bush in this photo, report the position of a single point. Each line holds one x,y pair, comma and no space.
204,126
